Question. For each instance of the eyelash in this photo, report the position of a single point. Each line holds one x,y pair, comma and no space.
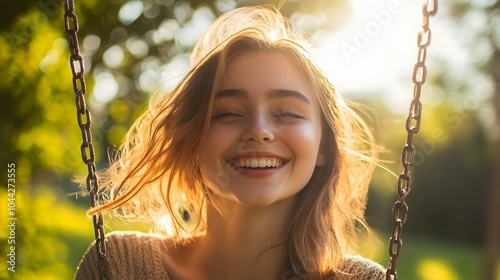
226,113
287,113
282,113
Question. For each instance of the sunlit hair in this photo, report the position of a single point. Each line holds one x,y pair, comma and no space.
156,172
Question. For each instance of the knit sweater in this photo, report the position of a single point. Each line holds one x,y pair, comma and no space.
134,255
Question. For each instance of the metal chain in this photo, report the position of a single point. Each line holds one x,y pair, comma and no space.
400,208
84,122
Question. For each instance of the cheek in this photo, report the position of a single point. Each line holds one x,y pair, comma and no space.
218,140
302,139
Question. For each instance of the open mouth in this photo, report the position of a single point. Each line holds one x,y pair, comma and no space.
257,162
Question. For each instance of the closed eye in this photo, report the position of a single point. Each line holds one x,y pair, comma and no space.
289,114
226,114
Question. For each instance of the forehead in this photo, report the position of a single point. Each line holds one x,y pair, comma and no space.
265,69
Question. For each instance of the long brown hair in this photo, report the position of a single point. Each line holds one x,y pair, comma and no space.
156,172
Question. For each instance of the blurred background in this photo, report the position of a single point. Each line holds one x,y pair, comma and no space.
367,48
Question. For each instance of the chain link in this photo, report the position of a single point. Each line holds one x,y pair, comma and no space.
400,208
84,122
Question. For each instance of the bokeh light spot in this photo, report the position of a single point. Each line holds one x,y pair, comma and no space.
432,269
130,12
105,88
113,57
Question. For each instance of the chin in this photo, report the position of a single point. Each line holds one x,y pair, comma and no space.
259,198
257,202
262,194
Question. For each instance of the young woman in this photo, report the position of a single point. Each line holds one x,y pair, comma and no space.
259,167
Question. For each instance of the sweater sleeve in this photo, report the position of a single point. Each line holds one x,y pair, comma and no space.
359,268
130,255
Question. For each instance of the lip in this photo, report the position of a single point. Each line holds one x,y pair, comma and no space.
258,154
257,173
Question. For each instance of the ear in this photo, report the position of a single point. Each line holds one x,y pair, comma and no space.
321,160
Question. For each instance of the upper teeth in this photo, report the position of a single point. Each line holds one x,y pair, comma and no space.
258,162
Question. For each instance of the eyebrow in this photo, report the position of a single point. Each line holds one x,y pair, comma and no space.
271,94
238,93
282,93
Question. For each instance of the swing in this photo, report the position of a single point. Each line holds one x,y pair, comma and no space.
399,209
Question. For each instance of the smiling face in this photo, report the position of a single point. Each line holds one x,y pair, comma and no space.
264,138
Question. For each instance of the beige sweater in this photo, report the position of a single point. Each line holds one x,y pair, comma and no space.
134,255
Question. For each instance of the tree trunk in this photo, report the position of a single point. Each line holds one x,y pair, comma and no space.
492,234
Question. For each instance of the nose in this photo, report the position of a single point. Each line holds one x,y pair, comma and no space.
259,129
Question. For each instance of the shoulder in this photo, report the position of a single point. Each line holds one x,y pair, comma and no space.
132,238
357,267
128,254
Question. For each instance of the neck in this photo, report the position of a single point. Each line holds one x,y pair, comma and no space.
246,241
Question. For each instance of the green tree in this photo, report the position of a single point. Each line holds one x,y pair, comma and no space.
487,61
